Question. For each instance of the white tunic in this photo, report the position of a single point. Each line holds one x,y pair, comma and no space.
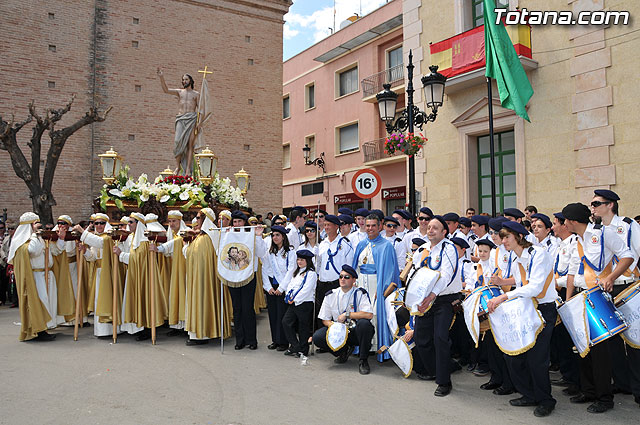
49,298
303,293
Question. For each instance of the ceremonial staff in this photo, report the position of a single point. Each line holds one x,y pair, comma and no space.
46,267
114,283
79,306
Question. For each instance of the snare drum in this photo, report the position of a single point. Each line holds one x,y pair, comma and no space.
627,295
604,319
486,293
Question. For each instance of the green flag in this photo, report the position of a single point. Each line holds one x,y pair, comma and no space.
503,64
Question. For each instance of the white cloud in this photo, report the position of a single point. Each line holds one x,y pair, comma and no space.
288,32
320,21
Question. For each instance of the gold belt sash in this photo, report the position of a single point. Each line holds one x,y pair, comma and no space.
38,270
523,277
590,277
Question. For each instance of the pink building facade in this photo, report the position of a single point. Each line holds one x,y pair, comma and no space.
329,105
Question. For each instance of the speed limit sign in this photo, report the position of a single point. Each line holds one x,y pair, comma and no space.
366,183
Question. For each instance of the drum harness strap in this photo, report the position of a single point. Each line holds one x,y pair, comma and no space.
523,275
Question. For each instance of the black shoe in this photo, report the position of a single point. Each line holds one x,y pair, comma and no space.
542,411
239,346
426,377
480,371
291,353
599,407
442,390
471,367
522,402
190,342
175,332
618,390
364,368
503,391
144,335
253,347
344,355
580,399
282,347
489,386
272,346
554,368
44,336
86,325
637,400
321,350
571,390
561,382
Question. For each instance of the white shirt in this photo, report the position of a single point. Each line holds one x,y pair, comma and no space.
307,292
622,228
550,244
68,246
341,251
294,236
36,252
281,267
506,261
468,273
538,265
591,244
413,234
444,259
357,236
562,260
337,302
401,250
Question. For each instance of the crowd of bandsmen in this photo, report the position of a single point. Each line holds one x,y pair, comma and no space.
314,270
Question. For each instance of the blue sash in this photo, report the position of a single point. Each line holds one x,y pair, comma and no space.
289,298
368,269
330,261
601,264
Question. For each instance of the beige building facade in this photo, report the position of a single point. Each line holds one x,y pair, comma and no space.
584,132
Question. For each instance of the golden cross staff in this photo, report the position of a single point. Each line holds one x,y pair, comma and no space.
204,76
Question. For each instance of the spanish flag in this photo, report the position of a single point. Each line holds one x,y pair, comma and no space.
466,52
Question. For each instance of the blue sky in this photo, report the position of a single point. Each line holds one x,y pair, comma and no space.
309,21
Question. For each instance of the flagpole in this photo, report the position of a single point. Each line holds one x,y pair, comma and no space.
492,151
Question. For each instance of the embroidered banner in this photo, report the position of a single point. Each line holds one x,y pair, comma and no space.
235,256
515,325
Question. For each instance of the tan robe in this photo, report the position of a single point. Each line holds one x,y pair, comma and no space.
203,292
177,288
66,299
259,302
33,313
137,308
104,303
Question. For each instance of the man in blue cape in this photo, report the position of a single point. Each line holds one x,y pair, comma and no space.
377,266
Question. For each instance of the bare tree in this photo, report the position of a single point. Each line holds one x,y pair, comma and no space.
40,189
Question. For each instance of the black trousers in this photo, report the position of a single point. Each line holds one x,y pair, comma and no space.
595,373
321,289
431,335
497,362
244,316
298,317
361,337
620,370
634,370
529,371
4,284
562,346
276,308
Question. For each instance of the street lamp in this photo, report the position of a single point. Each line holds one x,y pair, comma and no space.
111,164
207,164
319,162
242,180
411,116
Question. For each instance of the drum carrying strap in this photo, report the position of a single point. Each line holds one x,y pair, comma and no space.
480,275
496,271
523,277
590,276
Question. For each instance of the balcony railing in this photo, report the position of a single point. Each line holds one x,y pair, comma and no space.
373,83
374,150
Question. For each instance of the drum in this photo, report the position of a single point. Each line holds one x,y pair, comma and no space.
628,303
419,287
573,315
337,335
604,319
486,293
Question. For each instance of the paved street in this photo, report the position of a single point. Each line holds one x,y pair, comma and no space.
95,382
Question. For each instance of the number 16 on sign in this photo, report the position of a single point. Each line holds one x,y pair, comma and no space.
366,183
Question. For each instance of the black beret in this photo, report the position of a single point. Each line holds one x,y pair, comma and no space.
441,220
347,268
239,214
418,241
460,242
427,211
577,212
379,213
558,215
279,229
480,219
607,194
363,212
391,219
513,226
466,222
451,216
304,253
496,223
345,210
332,219
310,223
403,213
544,218
486,242
345,219
513,212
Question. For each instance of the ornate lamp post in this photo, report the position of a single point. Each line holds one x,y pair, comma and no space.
208,165
411,116
242,180
166,173
111,164
318,162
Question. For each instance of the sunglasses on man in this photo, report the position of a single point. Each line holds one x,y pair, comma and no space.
346,276
97,223
596,204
